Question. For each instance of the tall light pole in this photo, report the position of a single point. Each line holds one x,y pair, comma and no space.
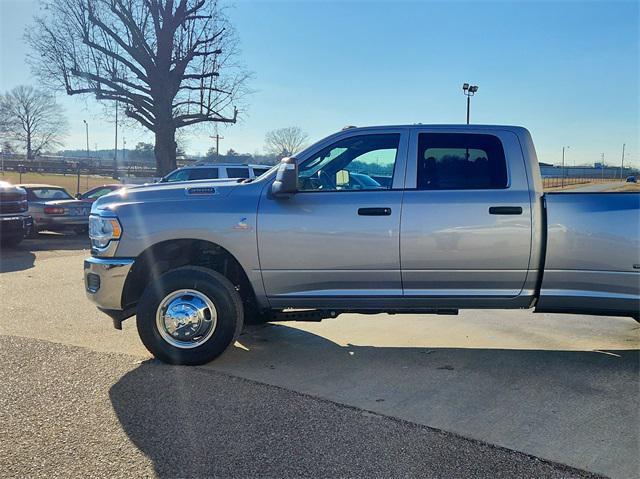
622,163
469,91
86,127
563,148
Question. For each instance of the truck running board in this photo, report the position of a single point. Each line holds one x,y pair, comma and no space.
312,315
317,315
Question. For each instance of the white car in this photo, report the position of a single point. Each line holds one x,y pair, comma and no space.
213,171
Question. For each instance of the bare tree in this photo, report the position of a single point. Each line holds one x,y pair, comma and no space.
172,63
285,141
32,118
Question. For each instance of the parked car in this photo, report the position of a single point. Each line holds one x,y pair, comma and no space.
360,181
213,171
15,221
632,179
54,209
95,193
464,224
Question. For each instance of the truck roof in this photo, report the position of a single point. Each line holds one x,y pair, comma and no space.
437,125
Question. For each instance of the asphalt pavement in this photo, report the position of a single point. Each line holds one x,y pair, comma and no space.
70,412
560,387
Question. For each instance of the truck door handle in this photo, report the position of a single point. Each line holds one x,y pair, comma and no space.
374,211
505,210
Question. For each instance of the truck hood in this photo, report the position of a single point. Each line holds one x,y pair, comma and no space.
163,192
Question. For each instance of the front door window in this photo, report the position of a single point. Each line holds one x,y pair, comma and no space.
363,162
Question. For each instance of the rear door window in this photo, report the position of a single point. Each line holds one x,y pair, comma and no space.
458,161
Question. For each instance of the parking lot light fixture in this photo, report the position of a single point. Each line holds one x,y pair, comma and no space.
469,91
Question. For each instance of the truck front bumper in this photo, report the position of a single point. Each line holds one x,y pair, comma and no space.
104,280
15,226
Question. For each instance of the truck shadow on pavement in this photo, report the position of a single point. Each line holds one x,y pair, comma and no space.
24,255
14,259
573,407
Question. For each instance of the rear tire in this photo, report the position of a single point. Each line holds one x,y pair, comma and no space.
189,301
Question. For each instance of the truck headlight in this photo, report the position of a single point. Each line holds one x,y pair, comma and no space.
103,229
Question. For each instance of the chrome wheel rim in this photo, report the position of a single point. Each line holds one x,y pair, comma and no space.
186,318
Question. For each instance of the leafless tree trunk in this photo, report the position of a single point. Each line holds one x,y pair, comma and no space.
32,118
285,141
171,62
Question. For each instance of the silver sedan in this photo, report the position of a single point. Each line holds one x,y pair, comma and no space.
54,209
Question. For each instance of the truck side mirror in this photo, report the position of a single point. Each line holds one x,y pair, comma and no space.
286,182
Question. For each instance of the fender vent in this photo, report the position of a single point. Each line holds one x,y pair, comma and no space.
201,190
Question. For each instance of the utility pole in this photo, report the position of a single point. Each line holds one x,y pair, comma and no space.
563,148
217,137
124,151
115,149
622,162
602,167
469,91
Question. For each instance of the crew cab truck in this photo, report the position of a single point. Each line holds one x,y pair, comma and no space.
457,218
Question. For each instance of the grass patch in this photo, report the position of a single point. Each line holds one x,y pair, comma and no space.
68,182
628,187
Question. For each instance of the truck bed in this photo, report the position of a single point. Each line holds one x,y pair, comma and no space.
592,260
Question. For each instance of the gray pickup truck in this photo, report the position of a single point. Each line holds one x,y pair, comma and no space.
399,219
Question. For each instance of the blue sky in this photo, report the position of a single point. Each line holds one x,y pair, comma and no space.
568,71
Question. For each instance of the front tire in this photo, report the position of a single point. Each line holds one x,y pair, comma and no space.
189,316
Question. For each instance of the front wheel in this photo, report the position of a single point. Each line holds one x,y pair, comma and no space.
189,316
